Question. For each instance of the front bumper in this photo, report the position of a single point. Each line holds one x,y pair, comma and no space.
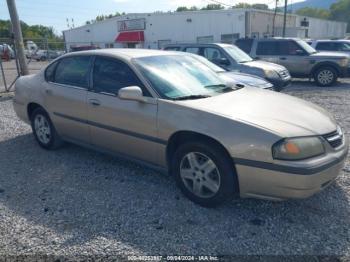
279,83
281,182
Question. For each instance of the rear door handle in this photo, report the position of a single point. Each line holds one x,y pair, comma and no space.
48,91
283,58
94,102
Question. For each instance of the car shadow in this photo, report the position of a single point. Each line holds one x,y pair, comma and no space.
73,198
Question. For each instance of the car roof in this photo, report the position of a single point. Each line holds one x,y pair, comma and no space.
125,53
197,45
329,40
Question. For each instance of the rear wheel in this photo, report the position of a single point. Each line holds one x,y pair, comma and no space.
204,173
44,131
326,76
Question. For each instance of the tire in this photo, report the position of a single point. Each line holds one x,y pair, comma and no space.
326,76
44,131
222,179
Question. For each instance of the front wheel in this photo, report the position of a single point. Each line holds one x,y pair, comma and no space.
44,131
326,76
204,173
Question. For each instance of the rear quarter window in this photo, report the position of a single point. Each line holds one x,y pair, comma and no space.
267,48
50,72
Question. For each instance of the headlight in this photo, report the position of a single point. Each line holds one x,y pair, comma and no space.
344,62
271,74
298,148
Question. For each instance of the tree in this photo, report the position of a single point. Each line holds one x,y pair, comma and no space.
242,5
184,8
314,12
341,11
213,7
260,6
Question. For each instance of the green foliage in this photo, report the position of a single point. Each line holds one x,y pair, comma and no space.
213,7
184,8
103,17
36,33
260,6
341,11
242,5
314,12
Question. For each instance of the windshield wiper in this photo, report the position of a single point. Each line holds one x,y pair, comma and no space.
218,85
190,97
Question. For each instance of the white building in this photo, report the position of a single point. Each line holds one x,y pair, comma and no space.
154,30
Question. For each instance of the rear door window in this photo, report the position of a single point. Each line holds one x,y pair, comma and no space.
73,71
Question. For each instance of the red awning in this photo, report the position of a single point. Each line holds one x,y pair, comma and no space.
134,36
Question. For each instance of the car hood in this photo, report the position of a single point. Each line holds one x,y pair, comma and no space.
246,79
265,65
278,113
330,55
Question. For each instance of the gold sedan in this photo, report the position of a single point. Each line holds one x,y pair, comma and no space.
172,112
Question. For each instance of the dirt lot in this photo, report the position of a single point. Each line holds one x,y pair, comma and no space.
75,202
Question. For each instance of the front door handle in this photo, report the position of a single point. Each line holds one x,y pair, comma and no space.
94,102
283,58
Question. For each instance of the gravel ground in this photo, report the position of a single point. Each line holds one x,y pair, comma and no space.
75,202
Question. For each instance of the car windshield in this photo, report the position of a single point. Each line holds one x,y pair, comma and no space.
309,49
180,77
209,64
346,47
237,54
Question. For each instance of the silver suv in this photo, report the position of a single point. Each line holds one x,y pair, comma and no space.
231,58
342,46
299,58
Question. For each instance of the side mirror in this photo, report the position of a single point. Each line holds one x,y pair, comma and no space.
131,93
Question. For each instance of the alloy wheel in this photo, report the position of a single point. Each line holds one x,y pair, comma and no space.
200,174
42,129
325,77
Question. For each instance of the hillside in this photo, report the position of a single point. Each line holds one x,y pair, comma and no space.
312,3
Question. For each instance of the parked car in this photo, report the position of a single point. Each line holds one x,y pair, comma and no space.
6,52
231,58
342,46
83,48
302,60
235,78
43,55
175,114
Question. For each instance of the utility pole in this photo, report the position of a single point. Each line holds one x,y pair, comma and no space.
285,18
274,19
16,27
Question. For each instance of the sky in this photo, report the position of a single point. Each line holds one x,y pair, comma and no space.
55,12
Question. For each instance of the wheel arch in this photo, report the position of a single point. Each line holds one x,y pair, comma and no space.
31,107
333,65
184,136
